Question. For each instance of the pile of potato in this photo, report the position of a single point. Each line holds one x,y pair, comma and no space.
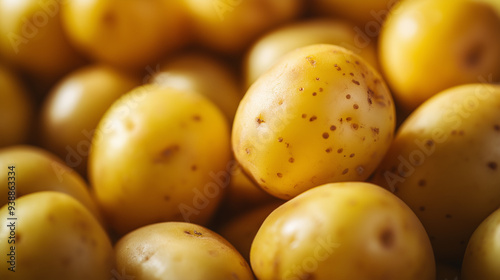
250,139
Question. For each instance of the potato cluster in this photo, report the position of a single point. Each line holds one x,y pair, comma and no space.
250,139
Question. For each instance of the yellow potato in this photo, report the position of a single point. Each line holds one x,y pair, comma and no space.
343,231
241,230
53,237
321,114
483,251
205,75
157,155
445,164
181,251
38,170
229,26
430,45
16,110
33,39
130,33
73,108
269,48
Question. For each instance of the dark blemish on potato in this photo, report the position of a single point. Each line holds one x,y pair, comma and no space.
421,208
287,144
332,128
187,232
320,89
474,55
351,155
328,150
348,119
291,160
280,139
461,132
279,175
345,171
340,120
301,89
247,150
317,78
109,18
325,135
262,180
429,143
376,81
311,60
360,169
355,106
343,74
340,150
354,126
375,130
448,216
18,237
357,62
492,165
197,118
313,118
496,127
347,61
355,82
422,183
453,132
166,197
338,67
280,102
304,116
260,120
348,96
363,75
352,74
314,94
197,233
167,153
387,238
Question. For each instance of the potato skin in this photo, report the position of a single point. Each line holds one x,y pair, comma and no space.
445,164
321,114
343,231
57,238
156,156
184,251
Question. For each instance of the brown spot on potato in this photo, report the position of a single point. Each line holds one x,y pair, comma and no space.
348,119
347,61
280,139
345,171
360,169
338,67
187,232
332,128
422,183
496,127
197,233
351,74
18,237
355,126
351,155
355,82
320,89
291,160
313,118
474,55
340,150
325,135
279,175
314,94
357,62
247,150
166,197
304,116
317,78
448,216
387,238
328,150
355,106
197,118
262,180
311,61
301,89
194,167
260,119
492,165
167,153
348,96
109,18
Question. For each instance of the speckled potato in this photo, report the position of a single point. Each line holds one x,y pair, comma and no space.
54,237
37,170
483,251
130,34
157,155
182,251
16,110
71,111
428,46
203,74
343,231
269,48
321,114
445,164
230,26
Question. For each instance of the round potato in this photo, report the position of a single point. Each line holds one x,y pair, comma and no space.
16,110
53,237
73,108
343,231
33,39
269,48
321,114
182,251
36,170
129,33
230,26
205,75
483,251
445,164
156,156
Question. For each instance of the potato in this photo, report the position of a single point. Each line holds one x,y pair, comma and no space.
321,114
16,110
177,250
483,251
33,39
241,230
37,170
129,33
444,163
348,230
157,155
73,108
204,74
369,15
229,26
270,47
53,237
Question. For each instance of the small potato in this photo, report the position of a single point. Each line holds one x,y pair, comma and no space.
181,251
156,156
130,33
73,108
205,75
16,110
270,47
230,26
483,251
36,170
445,164
321,114
54,237
343,231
